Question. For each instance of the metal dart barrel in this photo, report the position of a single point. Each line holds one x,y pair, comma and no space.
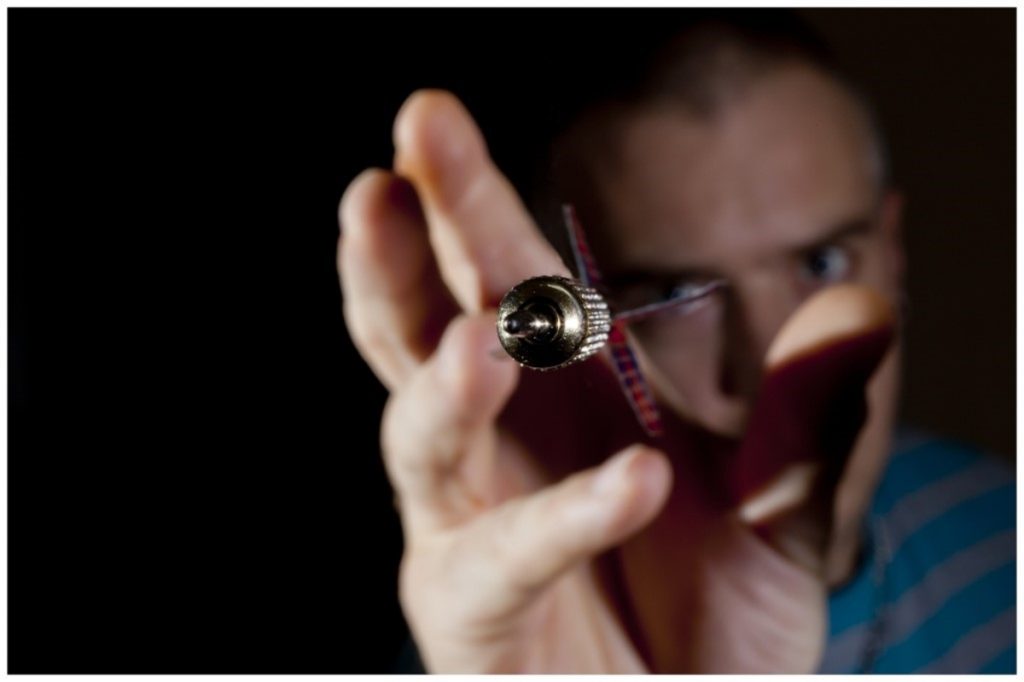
550,322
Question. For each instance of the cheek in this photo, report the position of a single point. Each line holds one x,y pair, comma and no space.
682,349
875,269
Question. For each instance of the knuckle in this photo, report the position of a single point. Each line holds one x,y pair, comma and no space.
393,427
369,338
409,582
414,442
339,258
373,344
415,593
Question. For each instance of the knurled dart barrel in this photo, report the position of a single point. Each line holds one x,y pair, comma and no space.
550,322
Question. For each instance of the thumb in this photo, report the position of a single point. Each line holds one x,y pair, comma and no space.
807,417
541,536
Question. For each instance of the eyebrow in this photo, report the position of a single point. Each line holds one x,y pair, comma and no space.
846,230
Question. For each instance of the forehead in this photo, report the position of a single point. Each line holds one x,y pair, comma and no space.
790,157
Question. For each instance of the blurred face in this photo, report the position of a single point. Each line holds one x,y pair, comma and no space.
776,196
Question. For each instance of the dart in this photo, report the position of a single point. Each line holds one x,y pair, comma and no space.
551,322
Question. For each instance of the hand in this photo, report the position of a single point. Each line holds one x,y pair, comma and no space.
504,570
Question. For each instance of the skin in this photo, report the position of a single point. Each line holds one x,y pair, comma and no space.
505,497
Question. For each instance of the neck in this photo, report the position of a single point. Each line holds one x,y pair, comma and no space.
841,562
863,470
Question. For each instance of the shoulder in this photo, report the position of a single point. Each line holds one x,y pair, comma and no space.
945,517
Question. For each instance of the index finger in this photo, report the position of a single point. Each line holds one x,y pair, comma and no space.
483,236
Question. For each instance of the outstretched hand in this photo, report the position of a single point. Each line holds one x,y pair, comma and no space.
543,534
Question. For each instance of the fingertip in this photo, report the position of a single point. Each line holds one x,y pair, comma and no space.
435,138
635,485
361,199
477,382
836,313
424,113
380,214
654,476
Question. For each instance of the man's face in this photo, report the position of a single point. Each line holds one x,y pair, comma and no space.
776,195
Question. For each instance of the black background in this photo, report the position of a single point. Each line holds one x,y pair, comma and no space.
195,483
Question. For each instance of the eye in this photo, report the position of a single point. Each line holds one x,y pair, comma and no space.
656,295
826,264
685,289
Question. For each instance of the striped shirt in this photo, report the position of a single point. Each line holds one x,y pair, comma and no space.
936,588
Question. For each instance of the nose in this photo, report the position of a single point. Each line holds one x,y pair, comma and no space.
755,312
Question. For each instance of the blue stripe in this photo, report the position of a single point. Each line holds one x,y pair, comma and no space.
916,468
920,507
979,518
854,603
1003,664
852,607
938,499
926,598
975,605
947,578
978,646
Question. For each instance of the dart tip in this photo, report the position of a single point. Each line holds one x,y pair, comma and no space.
532,322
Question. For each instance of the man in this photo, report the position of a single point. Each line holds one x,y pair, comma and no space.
768,530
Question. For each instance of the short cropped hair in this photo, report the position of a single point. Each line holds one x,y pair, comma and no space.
699,61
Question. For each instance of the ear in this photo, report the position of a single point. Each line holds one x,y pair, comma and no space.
891,228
